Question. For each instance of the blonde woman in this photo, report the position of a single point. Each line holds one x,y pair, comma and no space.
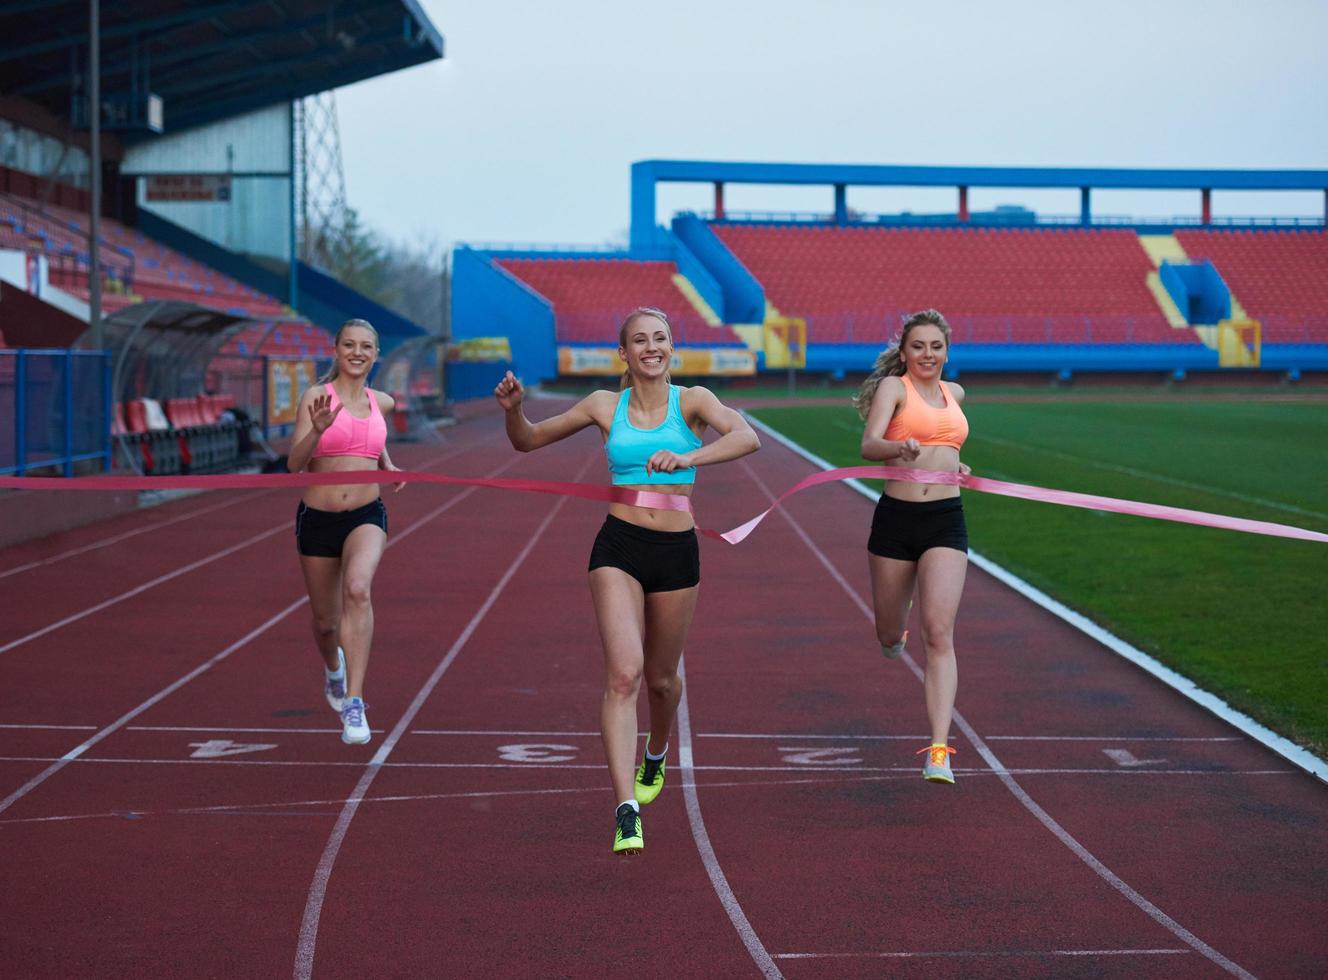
645,564
918,535
341,530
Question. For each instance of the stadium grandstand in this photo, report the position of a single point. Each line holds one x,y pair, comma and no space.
1024,293
161,243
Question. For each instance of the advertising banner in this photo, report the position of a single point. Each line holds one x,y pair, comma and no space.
688,362
188,187
286,380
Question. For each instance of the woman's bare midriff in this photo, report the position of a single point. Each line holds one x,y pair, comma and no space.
652,517
338,497
944,458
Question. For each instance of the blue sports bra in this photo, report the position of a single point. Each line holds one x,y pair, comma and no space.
628,448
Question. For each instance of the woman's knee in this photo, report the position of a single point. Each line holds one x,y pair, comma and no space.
664,685
889,633
356,592
623,682
938,637
325,625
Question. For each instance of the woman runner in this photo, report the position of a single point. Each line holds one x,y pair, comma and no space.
918,534
645,563
341,531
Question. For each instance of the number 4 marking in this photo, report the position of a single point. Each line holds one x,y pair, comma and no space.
820,757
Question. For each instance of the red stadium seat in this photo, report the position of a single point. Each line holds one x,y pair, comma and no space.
995,285
1279,277
590,297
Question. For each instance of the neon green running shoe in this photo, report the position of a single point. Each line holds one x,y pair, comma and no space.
649,779
627,838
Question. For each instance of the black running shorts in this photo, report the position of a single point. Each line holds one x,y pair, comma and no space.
323,533
904,529
661,561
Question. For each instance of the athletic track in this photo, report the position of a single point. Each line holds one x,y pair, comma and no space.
175,800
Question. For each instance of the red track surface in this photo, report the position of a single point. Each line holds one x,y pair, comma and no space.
471,837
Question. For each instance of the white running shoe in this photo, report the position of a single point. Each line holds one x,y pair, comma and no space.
936,768
334,688
354,726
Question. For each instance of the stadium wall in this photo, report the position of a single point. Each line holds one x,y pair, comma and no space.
743,299
255,148
489,302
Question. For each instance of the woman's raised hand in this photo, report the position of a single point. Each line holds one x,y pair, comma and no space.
509,392
321,414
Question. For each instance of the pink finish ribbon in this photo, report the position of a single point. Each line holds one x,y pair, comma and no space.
665,501
1065,498
269,481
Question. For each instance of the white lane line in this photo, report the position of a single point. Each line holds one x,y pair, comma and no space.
1043,817
91,610
305,949
1153,477
226,730
739,736
182,570
1284,747
107,542
406,798
984,954
686,763
1177,682
51,728
223,761
1112,738
123,720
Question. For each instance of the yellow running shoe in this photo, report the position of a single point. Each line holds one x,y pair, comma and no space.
936,768
649,779
627,838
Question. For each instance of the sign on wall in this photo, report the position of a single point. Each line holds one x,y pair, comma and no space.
689,362
189,187
286,381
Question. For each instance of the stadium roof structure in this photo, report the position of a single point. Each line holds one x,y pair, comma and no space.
647,173
207,60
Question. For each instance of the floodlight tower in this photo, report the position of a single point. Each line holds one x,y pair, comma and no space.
321,182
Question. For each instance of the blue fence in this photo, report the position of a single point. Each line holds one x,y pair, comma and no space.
55,409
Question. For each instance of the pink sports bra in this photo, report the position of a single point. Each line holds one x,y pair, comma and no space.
349,436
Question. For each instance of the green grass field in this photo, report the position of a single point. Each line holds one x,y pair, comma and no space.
1244,616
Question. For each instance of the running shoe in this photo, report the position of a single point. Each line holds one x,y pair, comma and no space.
354,726
627,838
649,779
936,768
896,651
334,687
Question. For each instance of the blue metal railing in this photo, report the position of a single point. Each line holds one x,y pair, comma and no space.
55,409
988,219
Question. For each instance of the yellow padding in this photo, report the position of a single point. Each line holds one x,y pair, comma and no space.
1239,343
703,309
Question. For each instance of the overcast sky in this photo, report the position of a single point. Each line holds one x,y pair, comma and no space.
526,130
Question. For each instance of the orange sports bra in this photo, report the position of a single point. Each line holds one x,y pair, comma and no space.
349,436
928,425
